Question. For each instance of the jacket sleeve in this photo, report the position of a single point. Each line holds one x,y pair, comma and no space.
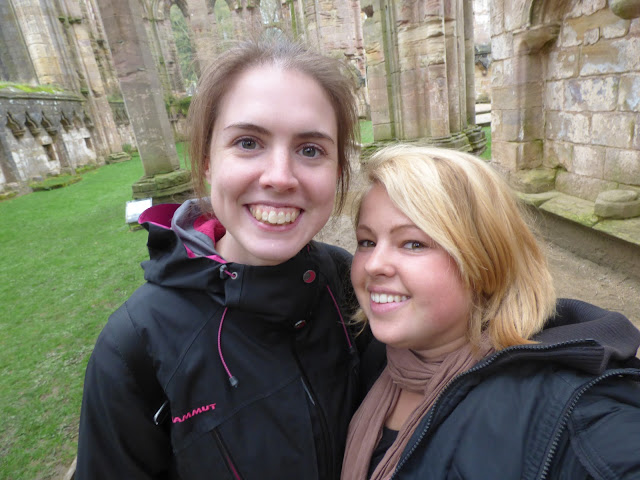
117,438
605,430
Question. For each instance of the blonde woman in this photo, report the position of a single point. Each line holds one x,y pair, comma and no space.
487,376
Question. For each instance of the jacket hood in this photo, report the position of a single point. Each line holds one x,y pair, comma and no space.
181,245
615,340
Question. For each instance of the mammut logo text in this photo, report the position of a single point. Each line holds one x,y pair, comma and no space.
194,412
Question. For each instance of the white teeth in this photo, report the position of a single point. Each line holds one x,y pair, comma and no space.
274,216
385,298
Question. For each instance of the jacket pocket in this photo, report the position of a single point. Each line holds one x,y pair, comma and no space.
233,470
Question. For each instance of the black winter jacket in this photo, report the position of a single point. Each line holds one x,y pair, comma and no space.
277,331
566,408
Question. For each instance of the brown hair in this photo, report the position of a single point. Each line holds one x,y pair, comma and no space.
220,74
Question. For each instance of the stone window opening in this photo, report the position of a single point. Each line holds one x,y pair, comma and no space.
50,151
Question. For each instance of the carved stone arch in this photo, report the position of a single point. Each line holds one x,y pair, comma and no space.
66,120
48,125
33,124
15,125
77,120
87,120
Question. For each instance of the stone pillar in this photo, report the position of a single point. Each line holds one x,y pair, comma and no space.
169,52
15,63
246,17
377,53
469,56
417,72
103,129
439,125
39,41
142,94
204,32
335,28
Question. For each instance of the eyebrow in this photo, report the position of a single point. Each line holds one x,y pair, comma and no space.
394,229
258,129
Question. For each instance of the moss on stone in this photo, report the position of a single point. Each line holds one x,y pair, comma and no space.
52,183
30,88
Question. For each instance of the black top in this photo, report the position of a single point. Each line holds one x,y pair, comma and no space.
388,437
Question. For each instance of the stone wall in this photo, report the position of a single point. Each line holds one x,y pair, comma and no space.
42,134
566,96
59,45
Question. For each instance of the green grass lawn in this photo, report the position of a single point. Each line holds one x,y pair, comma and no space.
67,260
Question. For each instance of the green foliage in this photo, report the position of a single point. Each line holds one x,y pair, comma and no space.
128,148
67,261
487,153
177,105
183,44
366,131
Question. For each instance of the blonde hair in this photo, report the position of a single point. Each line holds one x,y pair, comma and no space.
222,72
471,212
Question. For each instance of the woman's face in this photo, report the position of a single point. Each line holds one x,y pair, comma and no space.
273,165
409,288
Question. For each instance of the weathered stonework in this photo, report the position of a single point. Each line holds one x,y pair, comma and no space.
617,204
420,71
42,134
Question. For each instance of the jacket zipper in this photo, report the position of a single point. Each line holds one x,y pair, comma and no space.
565,417
227,456
455,380
326,438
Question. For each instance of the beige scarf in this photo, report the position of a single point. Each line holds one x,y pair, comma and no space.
405,370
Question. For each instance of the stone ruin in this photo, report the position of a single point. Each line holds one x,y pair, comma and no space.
561,78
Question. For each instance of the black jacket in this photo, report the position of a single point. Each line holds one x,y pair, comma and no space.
206,324
566,408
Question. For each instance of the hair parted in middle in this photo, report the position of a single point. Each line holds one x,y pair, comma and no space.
470,211
218,77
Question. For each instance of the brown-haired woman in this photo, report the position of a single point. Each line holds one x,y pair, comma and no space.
242,318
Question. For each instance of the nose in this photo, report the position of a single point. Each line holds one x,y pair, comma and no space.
378,262
279,172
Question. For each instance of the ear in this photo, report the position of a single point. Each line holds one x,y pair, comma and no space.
207,162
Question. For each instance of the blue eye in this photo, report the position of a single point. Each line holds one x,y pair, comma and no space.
248,143
310,151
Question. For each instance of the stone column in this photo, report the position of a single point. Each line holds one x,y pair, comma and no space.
246,17
170,53
104,133
437,80
142,94
15,63
377,51
39,41
335,28
204,32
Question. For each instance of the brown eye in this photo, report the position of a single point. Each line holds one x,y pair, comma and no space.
414,245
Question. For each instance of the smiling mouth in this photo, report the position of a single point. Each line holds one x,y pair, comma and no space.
274,216
387,298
